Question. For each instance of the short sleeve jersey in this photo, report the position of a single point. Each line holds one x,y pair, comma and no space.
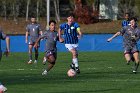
130,36
70,32
52,38
33,29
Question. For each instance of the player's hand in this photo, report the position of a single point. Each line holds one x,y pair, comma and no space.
109,40
79,36
26,41
6,53
61,40
35,45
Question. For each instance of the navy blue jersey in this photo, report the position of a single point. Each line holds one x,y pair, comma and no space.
125,23
70,32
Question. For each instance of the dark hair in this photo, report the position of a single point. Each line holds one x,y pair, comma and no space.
52,21
32,16
71,15
133,18
127,14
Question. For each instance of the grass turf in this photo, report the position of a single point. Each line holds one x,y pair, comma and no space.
101,72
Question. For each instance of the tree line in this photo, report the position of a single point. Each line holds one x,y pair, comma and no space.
59,8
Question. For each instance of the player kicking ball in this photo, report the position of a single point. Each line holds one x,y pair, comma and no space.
72,34
51,49
131,35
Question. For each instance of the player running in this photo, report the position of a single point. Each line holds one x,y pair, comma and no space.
131,35
34,30
71,35
51,49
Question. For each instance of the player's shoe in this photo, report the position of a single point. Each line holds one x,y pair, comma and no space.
35,62
44,61
72,66
3,88
30,62
45,72
134,71
77,70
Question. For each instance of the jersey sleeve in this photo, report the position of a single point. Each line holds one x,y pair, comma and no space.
44,35
77,26
122,31
2,35
27,28
39,27
62,26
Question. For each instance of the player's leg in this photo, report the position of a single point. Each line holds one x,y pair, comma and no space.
51,58
73,49
136,57
36,54
127,55
30,53
44,60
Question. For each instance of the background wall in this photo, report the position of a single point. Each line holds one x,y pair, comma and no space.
89,42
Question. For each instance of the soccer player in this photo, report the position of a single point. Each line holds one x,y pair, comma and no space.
131,35
4,37
72,33
51,50
34,30
126,21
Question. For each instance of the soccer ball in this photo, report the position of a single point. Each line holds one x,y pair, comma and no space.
71,73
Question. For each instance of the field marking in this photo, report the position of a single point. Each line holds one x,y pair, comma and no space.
19,69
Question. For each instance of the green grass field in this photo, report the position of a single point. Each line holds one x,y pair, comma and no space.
101,72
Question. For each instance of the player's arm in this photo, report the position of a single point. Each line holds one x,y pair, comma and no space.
79,32
36,43
7,46
5,37
41,33
115,35
40,38
59,36
8,43
26,37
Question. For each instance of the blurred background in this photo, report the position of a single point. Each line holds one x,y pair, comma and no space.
98,20
95,16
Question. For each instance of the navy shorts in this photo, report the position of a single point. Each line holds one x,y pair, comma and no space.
128,50
49,53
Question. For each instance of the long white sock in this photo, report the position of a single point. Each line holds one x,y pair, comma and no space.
75,61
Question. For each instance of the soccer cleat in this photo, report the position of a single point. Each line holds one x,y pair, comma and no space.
77,70
72,66
4,89
44,61
30,62
45,72
134,71
35,62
